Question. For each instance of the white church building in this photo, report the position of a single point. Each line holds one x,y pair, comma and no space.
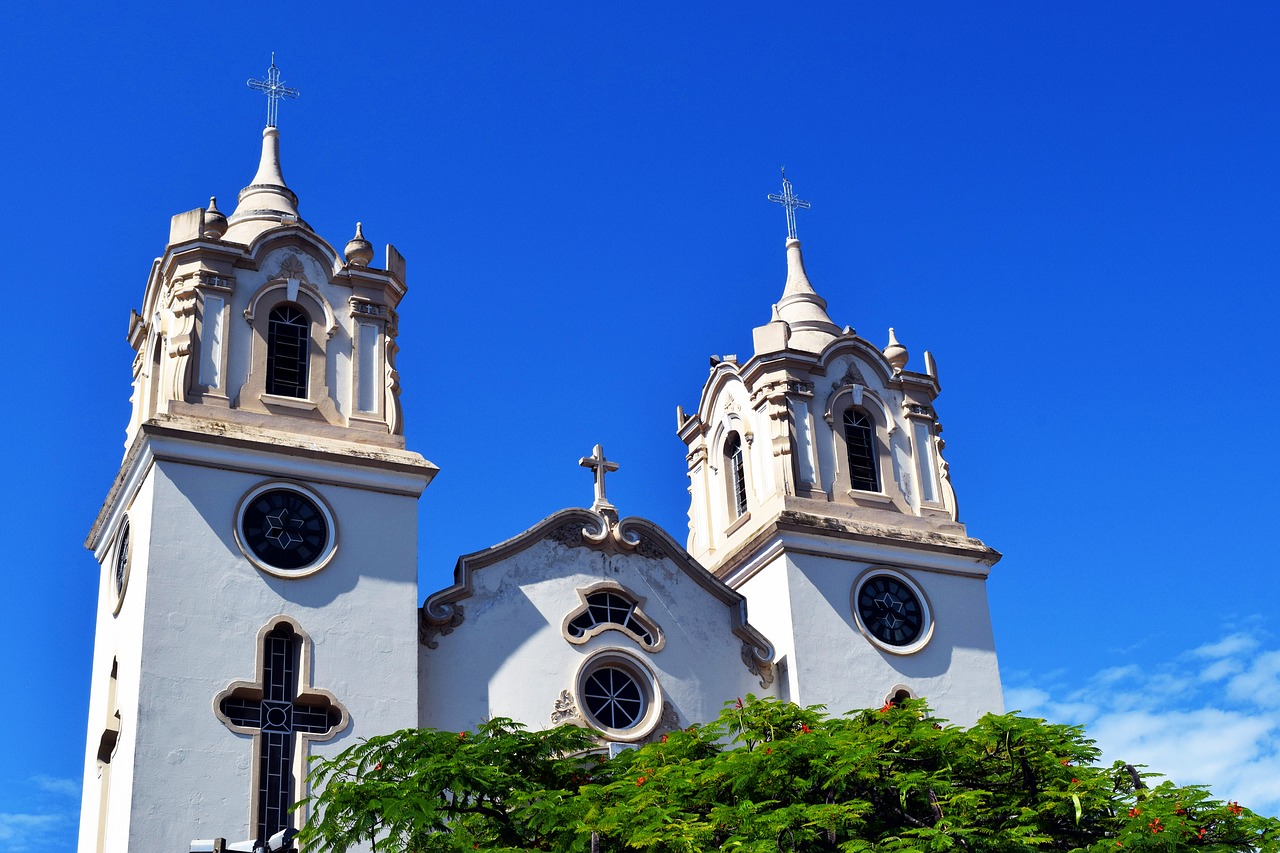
824,561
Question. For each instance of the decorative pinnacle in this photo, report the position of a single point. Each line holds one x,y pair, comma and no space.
790,202
275,89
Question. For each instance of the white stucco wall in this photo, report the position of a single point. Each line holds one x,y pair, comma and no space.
204,606
510,658
830,661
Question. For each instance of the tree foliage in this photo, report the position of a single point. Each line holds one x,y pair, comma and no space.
765,776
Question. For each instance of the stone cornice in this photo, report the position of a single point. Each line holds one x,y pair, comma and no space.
796,532
242,447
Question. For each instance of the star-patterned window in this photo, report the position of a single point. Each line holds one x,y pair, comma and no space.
285,530
892,611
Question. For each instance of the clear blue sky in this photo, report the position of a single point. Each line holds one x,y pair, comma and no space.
1075,207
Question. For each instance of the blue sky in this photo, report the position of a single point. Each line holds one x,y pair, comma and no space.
1075,207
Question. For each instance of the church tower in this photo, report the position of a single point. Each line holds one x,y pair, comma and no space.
258,549
819,491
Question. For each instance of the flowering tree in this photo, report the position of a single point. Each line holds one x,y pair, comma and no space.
766,776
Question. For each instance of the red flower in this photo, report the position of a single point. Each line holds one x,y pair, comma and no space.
1075,781
1135,811
1234,807
1066,762
805,728
1203,831
1156,826
887,706
462,735
377,767
768,750
737,703
664,738
641,781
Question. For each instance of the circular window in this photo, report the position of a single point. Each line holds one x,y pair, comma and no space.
618,695
284,530
892,611
613,696
120,575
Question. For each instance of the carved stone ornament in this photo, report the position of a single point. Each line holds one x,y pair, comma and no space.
609,535
565,712
919,409
291,267
668,721
852,376
441,622
756,666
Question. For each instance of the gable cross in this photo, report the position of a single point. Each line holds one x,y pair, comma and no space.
275,89
600,466
790,202
276,712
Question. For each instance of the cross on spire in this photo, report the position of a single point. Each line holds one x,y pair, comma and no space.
599,466
790,202
275,89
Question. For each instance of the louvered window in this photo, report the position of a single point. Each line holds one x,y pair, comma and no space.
859,439
735,466
288,330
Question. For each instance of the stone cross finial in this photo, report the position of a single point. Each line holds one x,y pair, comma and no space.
275,90
790,202
599,466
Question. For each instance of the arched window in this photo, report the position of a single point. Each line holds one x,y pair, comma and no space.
860,442
611,609
734,467
288,333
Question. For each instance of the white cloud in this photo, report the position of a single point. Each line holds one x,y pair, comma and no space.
1214,724
20,832
65,787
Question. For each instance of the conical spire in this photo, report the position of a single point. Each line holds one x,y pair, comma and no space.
802,308
267,201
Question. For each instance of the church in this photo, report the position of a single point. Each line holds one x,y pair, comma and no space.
258,600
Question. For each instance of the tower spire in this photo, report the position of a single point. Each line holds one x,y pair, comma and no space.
801,308
267,200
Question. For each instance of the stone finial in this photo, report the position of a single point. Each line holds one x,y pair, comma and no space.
359,251
895,353
215,224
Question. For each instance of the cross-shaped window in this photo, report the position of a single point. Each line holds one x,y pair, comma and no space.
276,712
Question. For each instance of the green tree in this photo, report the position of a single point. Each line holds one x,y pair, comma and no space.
766,776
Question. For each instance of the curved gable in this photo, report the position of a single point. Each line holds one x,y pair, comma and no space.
444,611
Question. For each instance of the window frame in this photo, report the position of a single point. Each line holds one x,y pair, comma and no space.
872,459
300,363
639,671
657,639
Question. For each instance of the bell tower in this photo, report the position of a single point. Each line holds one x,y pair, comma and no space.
258,549
818,490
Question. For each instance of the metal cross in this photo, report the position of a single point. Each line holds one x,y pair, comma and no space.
790,202
275,90
599,466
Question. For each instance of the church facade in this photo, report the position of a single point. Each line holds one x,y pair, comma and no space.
241,626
